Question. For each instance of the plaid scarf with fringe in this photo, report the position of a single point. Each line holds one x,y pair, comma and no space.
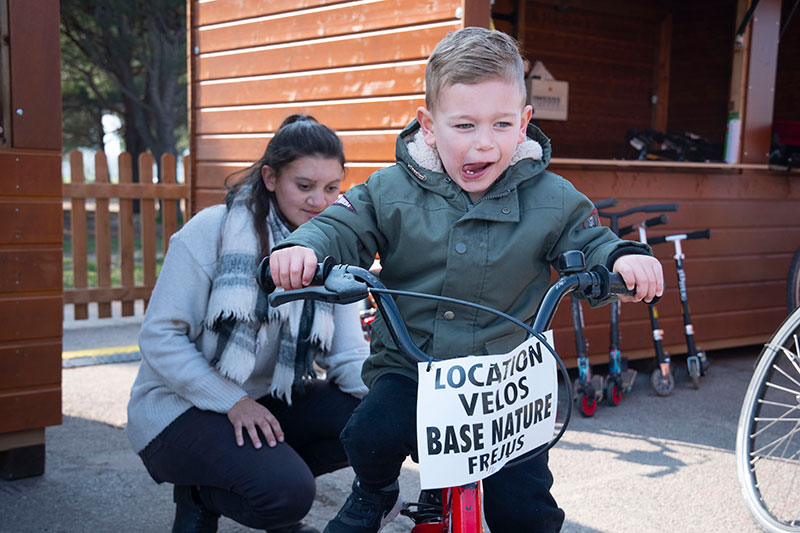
238,309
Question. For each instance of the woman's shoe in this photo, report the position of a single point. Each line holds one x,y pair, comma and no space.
190,514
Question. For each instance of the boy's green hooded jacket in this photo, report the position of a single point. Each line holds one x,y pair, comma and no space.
432,239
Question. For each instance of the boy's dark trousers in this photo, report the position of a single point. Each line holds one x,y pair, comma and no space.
266,488
382,433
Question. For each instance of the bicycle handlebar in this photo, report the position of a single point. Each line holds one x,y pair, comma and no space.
343,284
701,234
655,221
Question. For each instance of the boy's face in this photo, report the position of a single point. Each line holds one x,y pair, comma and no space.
476,129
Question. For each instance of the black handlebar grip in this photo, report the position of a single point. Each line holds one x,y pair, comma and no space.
702,234
608,202
264,277
656,240
655,221
625,230
616,285
651,208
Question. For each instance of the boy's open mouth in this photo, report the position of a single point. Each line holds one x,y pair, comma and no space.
472,170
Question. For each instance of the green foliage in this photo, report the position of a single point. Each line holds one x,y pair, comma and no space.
126,57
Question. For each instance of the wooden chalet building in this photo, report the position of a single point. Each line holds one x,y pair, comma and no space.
660,64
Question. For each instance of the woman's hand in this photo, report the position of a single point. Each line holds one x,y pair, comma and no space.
293,267
643,272
251,415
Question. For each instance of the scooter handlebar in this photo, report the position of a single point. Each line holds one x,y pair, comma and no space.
655,221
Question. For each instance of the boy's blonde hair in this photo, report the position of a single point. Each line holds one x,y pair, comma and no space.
470,56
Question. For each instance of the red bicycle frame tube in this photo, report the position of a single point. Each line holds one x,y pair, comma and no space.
461,510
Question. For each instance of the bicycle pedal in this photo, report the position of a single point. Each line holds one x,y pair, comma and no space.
422,513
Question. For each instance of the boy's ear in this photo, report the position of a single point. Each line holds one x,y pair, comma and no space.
269,177
426,124
527,112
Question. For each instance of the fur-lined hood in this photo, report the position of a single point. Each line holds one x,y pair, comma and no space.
530,159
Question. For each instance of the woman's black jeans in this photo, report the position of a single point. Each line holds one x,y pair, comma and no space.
262,489
382,433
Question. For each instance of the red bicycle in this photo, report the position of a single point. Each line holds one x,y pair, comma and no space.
458,508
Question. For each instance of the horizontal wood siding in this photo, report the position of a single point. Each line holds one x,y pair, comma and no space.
736,279
356,66
700,73
607,56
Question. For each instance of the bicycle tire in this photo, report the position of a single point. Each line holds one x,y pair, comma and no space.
768,433
793,284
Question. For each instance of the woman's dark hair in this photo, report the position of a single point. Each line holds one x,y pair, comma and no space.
298,136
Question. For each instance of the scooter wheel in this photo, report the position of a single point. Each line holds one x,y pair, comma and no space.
613,393
705,362
663,385
586,405
693,364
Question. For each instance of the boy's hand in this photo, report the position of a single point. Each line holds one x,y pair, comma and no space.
643,272
293,267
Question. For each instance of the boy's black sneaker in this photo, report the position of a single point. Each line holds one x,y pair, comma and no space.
366,511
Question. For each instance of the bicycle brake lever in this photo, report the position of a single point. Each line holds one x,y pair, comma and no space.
317,292
340,288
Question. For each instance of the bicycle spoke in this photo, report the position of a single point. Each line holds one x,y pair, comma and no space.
790,378
768,426
757,454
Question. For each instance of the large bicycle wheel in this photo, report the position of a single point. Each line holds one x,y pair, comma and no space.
793,284
768,436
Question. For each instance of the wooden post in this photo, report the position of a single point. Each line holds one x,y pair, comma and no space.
476,13
126,231
169,216
760,95
102,234
148,223
79,237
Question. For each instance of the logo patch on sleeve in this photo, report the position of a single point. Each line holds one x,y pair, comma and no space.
344,202
593,221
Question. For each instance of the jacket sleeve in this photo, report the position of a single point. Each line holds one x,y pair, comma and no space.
347,230
581,229
173,323
348,351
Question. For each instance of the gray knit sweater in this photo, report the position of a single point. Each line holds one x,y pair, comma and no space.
176,349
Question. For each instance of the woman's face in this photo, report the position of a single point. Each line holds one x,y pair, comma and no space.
304,187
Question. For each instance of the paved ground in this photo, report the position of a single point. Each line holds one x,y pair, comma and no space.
651,464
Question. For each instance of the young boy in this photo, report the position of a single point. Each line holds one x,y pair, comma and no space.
469,212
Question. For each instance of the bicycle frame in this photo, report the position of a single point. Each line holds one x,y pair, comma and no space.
460,510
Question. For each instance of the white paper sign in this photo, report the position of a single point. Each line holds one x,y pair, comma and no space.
476,413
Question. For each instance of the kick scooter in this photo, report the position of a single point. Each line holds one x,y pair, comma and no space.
620,378
587,389
662,378
450,509
697,363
